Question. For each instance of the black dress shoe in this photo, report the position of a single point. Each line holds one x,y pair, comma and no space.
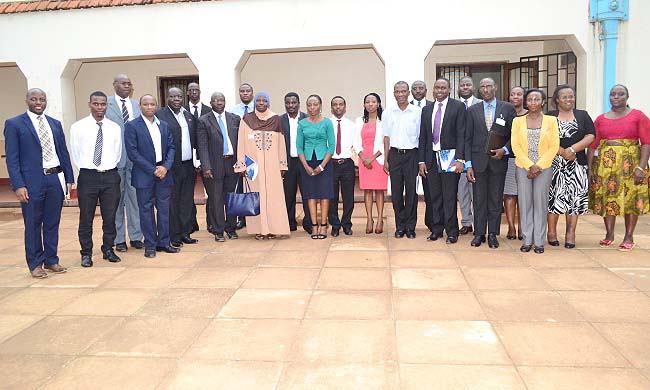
176,244
410,234
111,256
219,237
526,248
434,236
137,244
232,235
186,239
241,223
335,232
539,249
477,241
465,229
399,233
569,245
86,261
293,228
452,240
347,231
149,253
121,247
554,243
167,249
211,229
492,241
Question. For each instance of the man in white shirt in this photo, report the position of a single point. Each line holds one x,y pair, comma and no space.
96,144
401,125
466,93
343,169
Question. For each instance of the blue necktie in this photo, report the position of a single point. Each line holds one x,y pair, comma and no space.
245,109
224,132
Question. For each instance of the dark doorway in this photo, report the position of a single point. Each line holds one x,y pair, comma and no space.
164,83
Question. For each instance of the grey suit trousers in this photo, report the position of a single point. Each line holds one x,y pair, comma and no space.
128,203
533,205
465,200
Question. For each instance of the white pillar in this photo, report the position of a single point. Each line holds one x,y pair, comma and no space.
218,73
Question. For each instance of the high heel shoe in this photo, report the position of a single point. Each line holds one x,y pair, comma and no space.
370,226
322,235
380,227
315,232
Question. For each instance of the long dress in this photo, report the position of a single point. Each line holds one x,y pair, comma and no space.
375,178
260,142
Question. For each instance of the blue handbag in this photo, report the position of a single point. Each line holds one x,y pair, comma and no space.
246,204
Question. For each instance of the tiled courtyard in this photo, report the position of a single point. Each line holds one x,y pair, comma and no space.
361,312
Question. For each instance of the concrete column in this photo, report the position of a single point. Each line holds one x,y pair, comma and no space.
218,72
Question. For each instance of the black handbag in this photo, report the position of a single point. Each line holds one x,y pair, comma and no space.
246,204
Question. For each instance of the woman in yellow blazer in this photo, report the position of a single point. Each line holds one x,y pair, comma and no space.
535,142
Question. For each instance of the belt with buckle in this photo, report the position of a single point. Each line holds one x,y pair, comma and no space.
99,170
340,161
158,163
51,171
228,157
401,151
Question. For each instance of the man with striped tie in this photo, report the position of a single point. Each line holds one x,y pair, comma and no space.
122,109
96,144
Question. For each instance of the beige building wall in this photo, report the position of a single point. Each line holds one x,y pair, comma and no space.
93,76
12,103
351,73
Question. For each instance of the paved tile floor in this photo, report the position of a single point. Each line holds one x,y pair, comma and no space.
362,312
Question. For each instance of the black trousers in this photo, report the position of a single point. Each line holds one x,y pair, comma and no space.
403,172
488,199
181,220
217,189
440,190
343,180
291,184
93,186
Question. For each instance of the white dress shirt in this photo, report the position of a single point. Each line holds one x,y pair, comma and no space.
197,106
403,127
156,138
293,134
422,102
83,135
238,109
186,142
347,137
54,161
127,103
436,107
471,100
225,124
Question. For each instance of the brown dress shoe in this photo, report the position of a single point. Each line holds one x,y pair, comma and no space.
57,269
38,273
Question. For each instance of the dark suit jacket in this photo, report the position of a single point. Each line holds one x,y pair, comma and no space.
140,149
203,109
476,135
25,156
585,126
428,102
286,129
452,133
210,142
165,114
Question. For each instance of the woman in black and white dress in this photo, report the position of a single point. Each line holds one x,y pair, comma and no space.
570,185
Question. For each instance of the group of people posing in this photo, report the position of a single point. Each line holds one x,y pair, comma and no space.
140,162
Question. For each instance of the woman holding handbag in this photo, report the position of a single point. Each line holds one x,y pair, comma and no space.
262,160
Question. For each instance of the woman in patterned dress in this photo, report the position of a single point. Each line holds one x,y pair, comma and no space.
618,176
570,186
510,186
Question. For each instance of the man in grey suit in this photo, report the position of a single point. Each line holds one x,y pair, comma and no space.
216,135
466,94
122,109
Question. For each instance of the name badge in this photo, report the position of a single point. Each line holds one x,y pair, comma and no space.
501,122
251,136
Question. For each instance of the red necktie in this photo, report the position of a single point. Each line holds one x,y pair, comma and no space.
338,137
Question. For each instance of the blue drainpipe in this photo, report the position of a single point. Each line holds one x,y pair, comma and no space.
608,13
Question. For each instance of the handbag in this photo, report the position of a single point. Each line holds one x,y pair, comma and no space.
246,204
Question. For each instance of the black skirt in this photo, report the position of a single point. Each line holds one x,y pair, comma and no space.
319,186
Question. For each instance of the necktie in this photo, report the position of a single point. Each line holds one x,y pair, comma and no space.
196,112
245,109
466,104
488,117
338,137
46,145
419,102
224,132
436,124
97,156
125,112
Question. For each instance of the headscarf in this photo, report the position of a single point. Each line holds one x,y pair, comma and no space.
263,121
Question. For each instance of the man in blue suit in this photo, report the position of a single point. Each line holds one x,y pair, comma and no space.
122,109
150,146
36,157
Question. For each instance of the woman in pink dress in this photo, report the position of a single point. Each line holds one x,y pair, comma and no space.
369,143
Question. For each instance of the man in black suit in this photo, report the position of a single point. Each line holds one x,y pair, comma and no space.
419,92
217,147
292,182
182,126
198,109
487,165
442,127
